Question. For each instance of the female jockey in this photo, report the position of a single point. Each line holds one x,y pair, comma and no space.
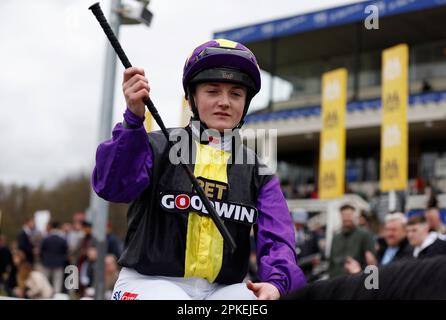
173,249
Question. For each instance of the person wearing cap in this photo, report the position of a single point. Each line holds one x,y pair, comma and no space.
173,249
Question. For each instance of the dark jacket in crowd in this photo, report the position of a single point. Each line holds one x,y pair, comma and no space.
353,243
5,261
24,244
11,281
307,247
114,245
54,250
405,250
436,248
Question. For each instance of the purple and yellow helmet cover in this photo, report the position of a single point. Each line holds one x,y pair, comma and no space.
233,56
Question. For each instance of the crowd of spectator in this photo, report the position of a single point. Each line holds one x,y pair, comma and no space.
34,265
357,244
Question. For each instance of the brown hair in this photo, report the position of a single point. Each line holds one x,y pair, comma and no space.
416,220
347,207
23,267
23,272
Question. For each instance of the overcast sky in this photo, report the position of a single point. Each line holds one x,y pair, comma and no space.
51,71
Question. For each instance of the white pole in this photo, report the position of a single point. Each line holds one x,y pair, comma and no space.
97,213
392,200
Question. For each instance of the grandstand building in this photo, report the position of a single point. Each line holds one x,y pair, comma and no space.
295,51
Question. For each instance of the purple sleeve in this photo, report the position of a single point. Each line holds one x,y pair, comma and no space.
124,163
276,255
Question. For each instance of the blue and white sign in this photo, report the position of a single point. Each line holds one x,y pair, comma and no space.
323,19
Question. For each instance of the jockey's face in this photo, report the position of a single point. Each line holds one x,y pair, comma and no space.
220,105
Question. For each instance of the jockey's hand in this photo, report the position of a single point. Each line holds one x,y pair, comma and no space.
136,88
263,290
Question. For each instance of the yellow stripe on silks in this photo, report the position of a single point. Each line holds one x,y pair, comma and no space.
204,243
148,121
226,43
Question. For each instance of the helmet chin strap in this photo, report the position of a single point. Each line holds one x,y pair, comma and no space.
245,111
196,117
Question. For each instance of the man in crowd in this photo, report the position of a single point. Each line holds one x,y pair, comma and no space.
395,245
25,240
392,247
433,218
5,260
426,244
54,253
307,247
350,243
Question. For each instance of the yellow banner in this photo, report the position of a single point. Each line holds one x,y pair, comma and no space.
332,142
394,139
